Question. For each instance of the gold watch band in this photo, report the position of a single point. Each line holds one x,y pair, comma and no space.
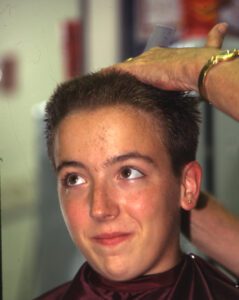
222,56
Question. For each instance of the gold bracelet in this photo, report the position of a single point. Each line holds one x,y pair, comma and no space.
224,55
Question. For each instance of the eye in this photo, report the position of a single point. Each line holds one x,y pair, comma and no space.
130,173
73,179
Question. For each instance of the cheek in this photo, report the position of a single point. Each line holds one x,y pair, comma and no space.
157,203
74,214
142,204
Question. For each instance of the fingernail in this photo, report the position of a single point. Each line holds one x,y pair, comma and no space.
222,28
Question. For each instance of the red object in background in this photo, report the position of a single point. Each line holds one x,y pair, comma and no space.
72,48
198,17
8,73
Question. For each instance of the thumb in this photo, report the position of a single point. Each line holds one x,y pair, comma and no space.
216,35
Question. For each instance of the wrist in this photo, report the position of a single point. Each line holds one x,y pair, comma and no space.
220,58
200,58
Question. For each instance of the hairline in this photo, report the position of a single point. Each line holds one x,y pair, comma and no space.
157,123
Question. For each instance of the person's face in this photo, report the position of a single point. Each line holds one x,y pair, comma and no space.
118,194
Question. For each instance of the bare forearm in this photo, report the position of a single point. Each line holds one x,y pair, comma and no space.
216,232
222,86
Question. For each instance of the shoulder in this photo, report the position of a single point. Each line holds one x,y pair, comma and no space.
69,288
56,293
209,278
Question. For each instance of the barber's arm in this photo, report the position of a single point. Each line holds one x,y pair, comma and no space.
179,69
215,231
222,87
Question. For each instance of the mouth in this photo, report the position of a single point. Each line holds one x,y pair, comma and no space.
112,239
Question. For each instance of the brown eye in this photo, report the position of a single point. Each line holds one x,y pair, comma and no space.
125,173
73,179
130,173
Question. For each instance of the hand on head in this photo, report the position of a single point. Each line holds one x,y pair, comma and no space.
174,68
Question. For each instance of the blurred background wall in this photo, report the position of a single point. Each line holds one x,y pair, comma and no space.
34,58
30,36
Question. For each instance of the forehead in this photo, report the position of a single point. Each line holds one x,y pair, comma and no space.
110,130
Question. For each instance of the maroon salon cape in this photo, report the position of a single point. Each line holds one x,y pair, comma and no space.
192,279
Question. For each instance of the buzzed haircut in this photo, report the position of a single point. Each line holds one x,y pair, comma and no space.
176,113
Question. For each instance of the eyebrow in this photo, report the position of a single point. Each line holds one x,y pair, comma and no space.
69,163
130,155
111,161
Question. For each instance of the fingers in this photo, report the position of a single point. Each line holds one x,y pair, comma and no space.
216,35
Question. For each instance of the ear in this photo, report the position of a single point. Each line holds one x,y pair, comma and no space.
190,185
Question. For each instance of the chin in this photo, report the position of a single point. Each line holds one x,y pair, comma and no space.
117,273
118,276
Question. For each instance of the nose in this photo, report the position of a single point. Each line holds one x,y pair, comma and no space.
103,204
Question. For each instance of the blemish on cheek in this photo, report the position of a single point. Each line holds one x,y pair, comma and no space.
63,193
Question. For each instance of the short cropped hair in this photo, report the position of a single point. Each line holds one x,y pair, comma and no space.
176,112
